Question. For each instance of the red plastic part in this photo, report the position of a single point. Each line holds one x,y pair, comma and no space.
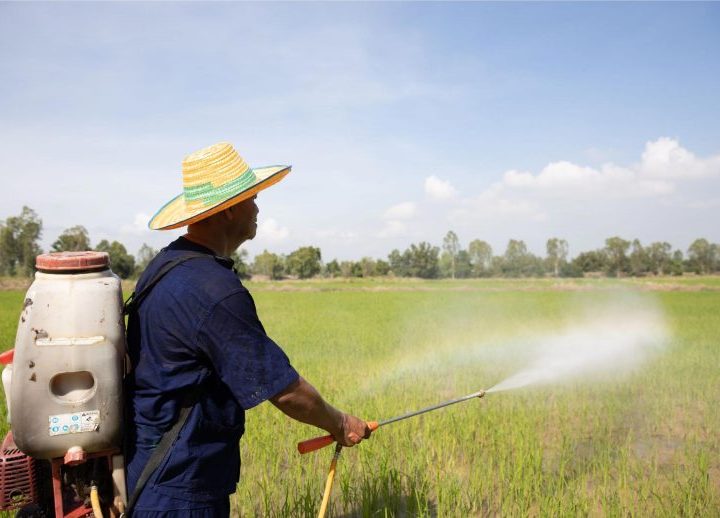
18,477
315,443
72,261
75,455
7,357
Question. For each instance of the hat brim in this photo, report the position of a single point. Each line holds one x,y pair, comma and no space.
175,214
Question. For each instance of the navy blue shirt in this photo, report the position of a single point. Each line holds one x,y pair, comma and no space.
197,329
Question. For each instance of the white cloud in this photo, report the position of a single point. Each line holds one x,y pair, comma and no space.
704,204
439,189
139,225
493,203
556,174
404,210
393,228
664,165
346,236
567,179
271,231
666,158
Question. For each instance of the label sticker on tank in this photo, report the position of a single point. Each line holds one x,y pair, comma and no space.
62,424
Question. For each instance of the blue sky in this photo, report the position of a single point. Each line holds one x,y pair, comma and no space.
401,120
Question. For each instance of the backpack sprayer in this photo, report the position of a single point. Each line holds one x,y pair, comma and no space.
63,385
325,440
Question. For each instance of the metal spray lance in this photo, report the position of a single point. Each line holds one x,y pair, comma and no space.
320,442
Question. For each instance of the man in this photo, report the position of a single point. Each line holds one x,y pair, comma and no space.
195,341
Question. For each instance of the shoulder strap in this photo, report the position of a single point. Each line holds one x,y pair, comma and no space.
161,451
135,298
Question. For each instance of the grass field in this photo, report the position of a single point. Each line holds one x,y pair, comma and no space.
644,443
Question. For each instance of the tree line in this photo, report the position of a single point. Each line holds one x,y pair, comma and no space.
20,236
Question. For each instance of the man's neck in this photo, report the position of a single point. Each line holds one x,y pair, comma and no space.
218,246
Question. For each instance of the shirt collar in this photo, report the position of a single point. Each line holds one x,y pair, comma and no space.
182,243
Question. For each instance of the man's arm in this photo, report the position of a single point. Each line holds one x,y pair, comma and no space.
301,401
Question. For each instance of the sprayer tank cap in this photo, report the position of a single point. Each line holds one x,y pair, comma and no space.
73,262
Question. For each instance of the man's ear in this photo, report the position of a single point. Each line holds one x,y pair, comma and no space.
229,213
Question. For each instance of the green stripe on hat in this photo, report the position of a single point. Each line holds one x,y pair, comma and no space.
208,193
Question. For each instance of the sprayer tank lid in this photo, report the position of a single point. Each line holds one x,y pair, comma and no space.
72,262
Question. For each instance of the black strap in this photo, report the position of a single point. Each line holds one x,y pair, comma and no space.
135,299
161,450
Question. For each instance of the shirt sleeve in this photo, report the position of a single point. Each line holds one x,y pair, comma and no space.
247,360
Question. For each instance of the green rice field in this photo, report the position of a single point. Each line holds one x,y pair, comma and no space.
638,442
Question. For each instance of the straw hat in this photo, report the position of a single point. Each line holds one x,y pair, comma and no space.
214,179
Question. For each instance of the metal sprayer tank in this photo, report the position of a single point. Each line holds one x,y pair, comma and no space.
67,371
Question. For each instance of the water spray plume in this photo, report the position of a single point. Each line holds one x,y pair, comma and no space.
611,340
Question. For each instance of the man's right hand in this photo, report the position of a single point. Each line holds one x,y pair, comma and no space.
352,430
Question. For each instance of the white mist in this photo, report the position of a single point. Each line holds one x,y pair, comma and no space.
608,339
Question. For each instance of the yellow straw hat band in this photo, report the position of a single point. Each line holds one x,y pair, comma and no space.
214,178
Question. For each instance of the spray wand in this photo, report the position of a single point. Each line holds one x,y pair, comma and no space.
326,440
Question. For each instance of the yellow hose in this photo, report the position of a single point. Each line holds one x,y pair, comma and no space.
329,482
95,502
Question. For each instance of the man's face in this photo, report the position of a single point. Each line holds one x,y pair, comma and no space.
245,218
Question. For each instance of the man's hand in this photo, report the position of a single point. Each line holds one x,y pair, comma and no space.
302,402
352,430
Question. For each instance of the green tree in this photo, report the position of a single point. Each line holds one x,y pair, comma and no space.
445,263
660,257
399,263
570,269
422,260
347,269
591,262
639,259
451,247
143,258
367,266
463,268
382,268
356,269
73,239
481,258
268,264
122,263
702,256
240,263
8,254
304,262
677,263
557,252
332,269
19,237
616,251
496,266
519,262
